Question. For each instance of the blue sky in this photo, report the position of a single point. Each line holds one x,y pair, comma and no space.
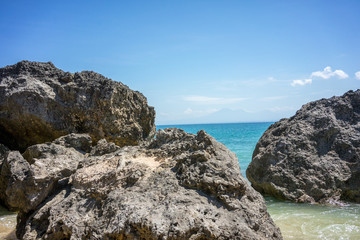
197,61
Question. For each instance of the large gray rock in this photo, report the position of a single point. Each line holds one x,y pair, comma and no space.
27,179
39,103
313,156
181,186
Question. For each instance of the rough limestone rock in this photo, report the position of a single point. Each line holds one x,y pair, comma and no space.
81,142
313,156
181,186
103,147
3,151
39,103
26,180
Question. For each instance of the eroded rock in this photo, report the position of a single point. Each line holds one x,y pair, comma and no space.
182,186
103,147
39,103
27,179
313,156
3,151
81,142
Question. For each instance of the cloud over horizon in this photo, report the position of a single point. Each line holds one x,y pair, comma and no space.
281,109
325,74
357,75
211,100
328,73
201,112
274,98
301,82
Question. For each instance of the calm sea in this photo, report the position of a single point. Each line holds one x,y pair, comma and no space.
296,221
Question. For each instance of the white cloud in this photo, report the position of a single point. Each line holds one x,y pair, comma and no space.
211,100
301,82
164,114
357,75
267,99
325,74
212,110
188,111
328,73
281,109
272,79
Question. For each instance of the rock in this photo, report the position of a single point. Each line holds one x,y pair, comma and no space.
181,186
3,152
313,156
14,172
39,103
103,147
81,142
26,180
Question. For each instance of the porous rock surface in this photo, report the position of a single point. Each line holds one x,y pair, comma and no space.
313,156
3,151
179,186
27,179
39,103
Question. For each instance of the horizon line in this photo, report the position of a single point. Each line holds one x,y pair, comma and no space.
216,123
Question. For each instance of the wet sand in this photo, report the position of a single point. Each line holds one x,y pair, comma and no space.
7,224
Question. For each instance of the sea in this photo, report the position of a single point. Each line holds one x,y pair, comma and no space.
296,221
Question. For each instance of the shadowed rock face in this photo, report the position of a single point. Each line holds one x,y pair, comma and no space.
314,156
181,186
39,103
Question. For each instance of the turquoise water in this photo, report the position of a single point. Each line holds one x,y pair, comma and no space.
296,221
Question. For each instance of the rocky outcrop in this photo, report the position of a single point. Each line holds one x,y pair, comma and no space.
39,103
180,186
27,179
84,164
313,156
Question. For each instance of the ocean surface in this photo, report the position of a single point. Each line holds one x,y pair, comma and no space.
296,221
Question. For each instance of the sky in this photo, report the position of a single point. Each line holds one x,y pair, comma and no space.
197,61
